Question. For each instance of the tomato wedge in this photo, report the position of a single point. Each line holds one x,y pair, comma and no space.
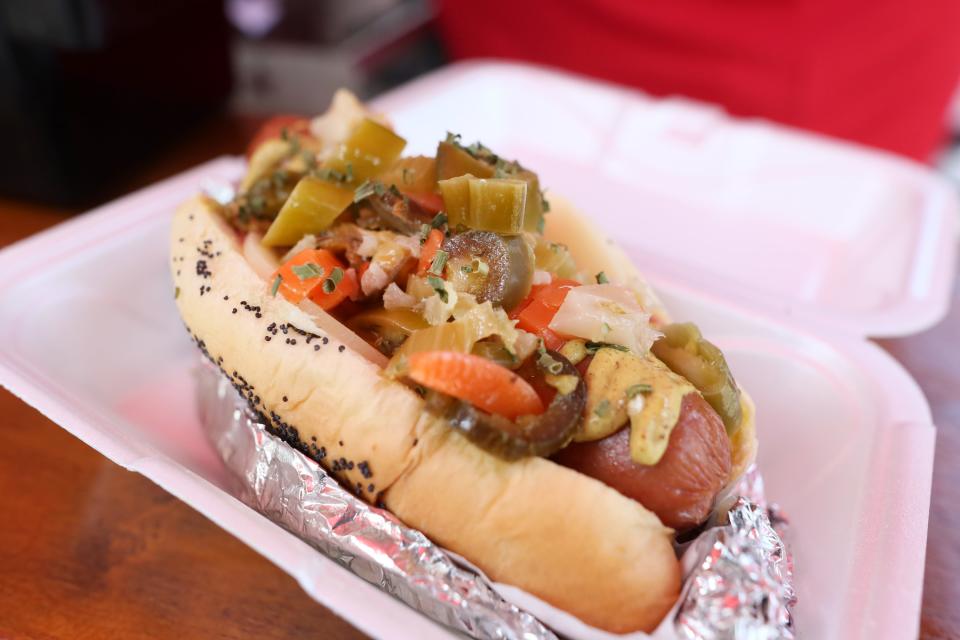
537,310
474,379
316,274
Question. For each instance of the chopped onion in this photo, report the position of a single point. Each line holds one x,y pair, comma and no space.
649,301
525,344
261,259
605,313
396,298
411,243
374,279
369,243
435,310
308,241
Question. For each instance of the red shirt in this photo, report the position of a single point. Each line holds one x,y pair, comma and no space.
881,72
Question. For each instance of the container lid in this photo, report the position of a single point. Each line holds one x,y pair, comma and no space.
781,221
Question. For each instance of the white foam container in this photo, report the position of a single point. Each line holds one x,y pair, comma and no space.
788,250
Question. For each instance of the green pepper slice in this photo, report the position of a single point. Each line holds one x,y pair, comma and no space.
684,350
369,150
312,207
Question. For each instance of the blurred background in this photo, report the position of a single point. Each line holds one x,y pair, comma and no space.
90,90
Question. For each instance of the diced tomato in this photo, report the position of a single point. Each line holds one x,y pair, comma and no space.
296,286
429,202
536,312
273,128
583,365
429,250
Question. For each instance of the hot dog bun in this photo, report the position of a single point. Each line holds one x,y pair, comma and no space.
564,537
558,534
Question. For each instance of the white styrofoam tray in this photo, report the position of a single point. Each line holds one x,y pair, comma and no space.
91,337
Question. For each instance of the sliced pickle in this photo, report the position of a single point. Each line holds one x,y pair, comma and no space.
498,205
490,266
533,213
485,205
684,350
369,150
453,162
540,435
312,207
386,329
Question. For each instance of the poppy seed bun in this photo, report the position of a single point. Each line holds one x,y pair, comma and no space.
562,536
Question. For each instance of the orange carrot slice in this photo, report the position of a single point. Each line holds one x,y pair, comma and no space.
484,384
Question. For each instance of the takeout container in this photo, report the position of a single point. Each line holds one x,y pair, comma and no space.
788,249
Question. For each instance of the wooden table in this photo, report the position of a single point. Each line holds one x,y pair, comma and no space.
89,550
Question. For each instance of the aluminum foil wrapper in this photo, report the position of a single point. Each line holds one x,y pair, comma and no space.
295,492
738,573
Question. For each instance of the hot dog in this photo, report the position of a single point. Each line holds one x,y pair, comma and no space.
681,487
483,364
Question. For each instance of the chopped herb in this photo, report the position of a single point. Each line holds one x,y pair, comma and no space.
592,347
541,223
438,286
275,286
602,409
330,284
503,168
548,363
452,138
606,328
176,292
424,232
466,269
330,175
366,189
481,152
439,262
309,159
636,389
279,178
545,204
307,270
257,204
439,220
294,144
349,172
602,278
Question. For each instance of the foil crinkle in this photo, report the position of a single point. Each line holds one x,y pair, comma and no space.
738,572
